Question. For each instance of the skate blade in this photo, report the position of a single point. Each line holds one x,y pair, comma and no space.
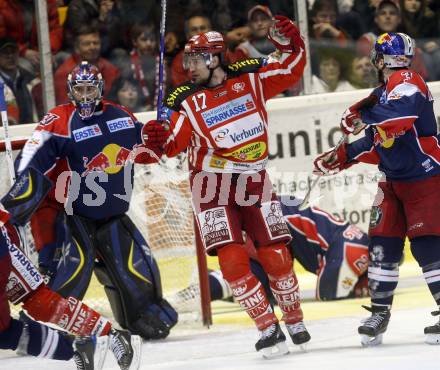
101,350
368,341
136,344
278,350
303,347
432,339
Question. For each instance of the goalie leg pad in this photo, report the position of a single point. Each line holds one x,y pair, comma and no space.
75,257
135,278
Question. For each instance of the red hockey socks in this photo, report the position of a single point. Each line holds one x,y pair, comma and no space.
69,313
247,290
277,262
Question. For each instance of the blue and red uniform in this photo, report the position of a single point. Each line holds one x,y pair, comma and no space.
93,152
401,137
332,249
90,162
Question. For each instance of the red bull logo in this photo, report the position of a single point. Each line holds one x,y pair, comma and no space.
386,37
110,160
385,138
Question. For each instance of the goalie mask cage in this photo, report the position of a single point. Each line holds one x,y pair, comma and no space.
161,209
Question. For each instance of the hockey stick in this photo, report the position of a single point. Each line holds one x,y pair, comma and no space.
365,103
306,201
10,161
161,58
7,138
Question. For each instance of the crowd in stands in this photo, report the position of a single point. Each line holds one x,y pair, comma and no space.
121,37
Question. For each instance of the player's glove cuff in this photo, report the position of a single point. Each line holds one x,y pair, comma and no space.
285,35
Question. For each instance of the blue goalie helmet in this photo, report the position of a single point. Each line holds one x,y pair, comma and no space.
397,49
85,88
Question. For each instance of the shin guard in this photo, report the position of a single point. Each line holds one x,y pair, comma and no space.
277,262
69,313
247,290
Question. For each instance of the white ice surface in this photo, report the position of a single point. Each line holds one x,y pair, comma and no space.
335,345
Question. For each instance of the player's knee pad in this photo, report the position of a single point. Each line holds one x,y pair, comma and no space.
275,259
132,280
234,262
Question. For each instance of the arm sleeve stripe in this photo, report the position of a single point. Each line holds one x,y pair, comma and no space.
403,121
286,70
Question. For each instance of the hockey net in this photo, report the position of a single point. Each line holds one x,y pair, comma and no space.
161,209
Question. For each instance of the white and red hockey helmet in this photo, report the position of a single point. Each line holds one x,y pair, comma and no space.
204,45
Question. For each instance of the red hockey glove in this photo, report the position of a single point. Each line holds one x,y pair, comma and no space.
284,34
351,121
332,162
155,134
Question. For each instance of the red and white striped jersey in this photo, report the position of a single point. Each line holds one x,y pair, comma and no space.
225,127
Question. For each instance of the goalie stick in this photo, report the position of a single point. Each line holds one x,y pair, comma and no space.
10,161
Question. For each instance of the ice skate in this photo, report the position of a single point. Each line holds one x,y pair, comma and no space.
126,349
433,332
272,342
373,327
84,352
299,334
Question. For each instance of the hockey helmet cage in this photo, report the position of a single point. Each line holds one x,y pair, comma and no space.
85,88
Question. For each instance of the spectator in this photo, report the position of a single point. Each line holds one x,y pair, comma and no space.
323,24
105,14
17,20
362,73
258,46
127,92
421,23
194,25
388,19
329,71
87,46
18,84
368,11
350,20
144,62
418,20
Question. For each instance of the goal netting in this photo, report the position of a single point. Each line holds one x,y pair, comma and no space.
161,209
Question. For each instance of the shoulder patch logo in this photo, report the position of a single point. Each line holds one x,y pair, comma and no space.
48,119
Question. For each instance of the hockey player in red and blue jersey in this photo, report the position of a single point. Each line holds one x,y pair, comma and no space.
333,249
86,150
400,136
21,283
